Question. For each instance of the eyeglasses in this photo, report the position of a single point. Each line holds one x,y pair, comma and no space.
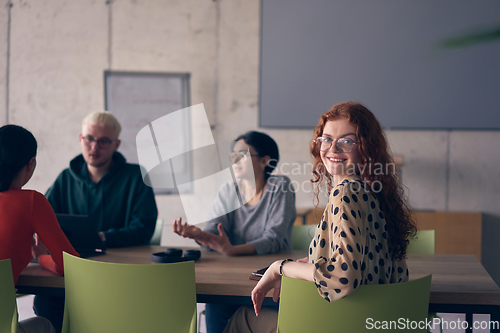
344,145
101,143
238,156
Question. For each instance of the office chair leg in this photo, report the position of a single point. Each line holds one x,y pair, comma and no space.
199,320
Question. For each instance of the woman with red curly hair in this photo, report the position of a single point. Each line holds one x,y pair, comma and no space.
365,229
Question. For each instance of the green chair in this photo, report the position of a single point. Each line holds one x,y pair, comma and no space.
156,239
302,309
302,236
424,242
8,305
109,297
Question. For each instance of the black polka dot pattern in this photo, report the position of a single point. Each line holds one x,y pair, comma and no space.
350,245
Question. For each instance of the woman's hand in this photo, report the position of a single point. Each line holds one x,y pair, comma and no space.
220,242
37,248
185,230
270,280
304,260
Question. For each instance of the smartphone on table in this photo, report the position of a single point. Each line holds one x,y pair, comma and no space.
256,275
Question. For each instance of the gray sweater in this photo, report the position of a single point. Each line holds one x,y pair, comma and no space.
267,225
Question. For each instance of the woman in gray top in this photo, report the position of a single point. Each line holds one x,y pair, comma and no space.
262,225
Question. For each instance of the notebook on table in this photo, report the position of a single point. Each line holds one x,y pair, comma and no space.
82,234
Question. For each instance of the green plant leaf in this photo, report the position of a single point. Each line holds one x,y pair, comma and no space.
475,38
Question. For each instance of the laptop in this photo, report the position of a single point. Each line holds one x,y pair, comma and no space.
82,234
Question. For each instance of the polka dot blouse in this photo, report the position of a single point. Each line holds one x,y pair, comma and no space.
350,246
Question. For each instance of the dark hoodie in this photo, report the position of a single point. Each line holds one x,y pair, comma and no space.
120,204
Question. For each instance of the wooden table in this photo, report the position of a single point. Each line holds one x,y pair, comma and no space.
459,282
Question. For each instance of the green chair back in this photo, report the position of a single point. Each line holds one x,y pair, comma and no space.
302,309
302,236
109,297
424,242
8,305
156,239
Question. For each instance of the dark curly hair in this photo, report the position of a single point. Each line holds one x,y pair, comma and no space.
374,150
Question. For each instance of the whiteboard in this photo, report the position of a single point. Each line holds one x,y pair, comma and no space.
386,54
138,98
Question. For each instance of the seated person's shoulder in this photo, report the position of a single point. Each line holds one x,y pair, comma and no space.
279,180
130,171
65,173
24,193
33,195
355,192
132,168
353,185
282,184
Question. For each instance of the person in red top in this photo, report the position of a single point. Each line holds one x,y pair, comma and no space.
26,212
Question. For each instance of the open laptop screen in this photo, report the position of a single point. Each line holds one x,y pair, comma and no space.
81,234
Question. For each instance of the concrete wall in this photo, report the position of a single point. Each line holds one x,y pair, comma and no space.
4,25
59,50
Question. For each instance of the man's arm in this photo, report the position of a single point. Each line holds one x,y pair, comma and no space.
141,219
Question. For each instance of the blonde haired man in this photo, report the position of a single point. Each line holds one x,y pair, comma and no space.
99,183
